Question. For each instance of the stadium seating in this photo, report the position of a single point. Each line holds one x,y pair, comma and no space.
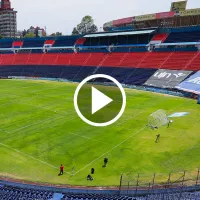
178,60
119,40
6,43
49,42
80,41
65,41
17,44
156,60
175,37
34,59
33,42
160,37
16,193
79,59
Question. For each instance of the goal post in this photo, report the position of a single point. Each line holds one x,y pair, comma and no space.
158,119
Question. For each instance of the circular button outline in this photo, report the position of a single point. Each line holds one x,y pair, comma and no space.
123,100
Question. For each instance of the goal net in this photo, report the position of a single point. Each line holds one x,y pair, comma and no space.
158,119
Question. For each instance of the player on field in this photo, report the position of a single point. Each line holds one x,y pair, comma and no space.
61,169
170,121
157,138
105,162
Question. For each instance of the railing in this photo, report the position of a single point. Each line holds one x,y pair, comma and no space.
195,44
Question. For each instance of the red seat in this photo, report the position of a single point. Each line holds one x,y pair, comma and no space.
7,59
160,37
21,59
48,59
34,59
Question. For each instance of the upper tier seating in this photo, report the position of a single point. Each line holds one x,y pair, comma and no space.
80,41
17,44
49,42
119,40
160,37
65,41
183,37
6,43
33,42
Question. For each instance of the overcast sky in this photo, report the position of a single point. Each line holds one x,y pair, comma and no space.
63,15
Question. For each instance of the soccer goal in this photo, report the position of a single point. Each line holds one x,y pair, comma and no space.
158,119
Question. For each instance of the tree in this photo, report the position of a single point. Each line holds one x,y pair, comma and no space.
75,32
24,32
29,35
1,36
87,25
37,32
56,34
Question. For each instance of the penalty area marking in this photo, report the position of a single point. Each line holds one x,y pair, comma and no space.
41,161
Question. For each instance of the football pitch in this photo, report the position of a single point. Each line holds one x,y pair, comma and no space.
39,130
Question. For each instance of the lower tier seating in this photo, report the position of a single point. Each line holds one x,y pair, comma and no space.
16,193
135,76
156,60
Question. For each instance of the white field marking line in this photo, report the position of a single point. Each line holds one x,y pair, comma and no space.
41,161
64,112
43,106
59,117
129,118
110,150
2,130
82,136
39,122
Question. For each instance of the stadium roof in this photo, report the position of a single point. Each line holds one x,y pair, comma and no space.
120,33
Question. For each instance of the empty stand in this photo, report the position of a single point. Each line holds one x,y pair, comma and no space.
65,41
80,59
21,59
6,43
178,60
49,42
194,64
154,60
33,42
83,73
95,59
34,59
132,59
161,37
7,59
80,41
48,59
17,44
183,37
64,59
113,59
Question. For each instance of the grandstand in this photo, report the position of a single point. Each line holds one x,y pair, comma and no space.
140,53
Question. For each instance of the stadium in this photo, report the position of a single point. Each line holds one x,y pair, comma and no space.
152,150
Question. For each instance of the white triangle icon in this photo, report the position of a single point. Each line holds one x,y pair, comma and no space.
99,100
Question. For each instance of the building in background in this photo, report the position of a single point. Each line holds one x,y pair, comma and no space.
8,19
39,32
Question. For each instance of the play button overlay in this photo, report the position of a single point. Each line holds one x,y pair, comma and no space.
99,100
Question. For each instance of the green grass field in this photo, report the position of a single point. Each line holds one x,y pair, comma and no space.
35,140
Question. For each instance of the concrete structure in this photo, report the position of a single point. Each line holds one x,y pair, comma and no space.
8,19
